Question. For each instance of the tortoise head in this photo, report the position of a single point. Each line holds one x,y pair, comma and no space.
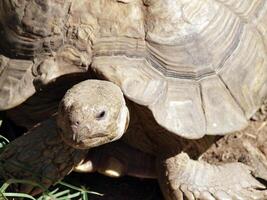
92,113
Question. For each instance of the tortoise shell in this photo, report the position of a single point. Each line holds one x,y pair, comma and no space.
199,66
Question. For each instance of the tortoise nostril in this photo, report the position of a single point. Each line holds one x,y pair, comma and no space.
101,115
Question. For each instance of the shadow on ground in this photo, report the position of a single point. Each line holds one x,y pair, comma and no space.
125,188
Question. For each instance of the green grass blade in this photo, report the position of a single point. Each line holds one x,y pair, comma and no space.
79,189
54,191
59,194
3,142
70,196
21,195
4,187
4,139
2,197
70,186
85,195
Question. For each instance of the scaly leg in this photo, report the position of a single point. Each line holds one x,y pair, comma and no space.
182,178
40,156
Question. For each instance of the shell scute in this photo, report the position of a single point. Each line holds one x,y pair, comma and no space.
32,27
210,55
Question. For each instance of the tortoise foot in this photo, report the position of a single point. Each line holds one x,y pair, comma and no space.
183,178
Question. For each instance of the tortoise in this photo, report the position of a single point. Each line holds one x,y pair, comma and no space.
178,74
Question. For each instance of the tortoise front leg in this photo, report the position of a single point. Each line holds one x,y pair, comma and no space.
39,156
182,178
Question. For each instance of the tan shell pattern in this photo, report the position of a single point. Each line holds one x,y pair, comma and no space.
39,42
200,66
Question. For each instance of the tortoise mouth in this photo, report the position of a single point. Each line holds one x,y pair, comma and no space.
86,143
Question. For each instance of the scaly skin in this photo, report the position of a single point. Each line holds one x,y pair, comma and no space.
40,156
183,178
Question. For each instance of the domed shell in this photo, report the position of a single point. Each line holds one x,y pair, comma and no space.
200,66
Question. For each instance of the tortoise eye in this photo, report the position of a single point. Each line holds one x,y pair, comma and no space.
101,115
